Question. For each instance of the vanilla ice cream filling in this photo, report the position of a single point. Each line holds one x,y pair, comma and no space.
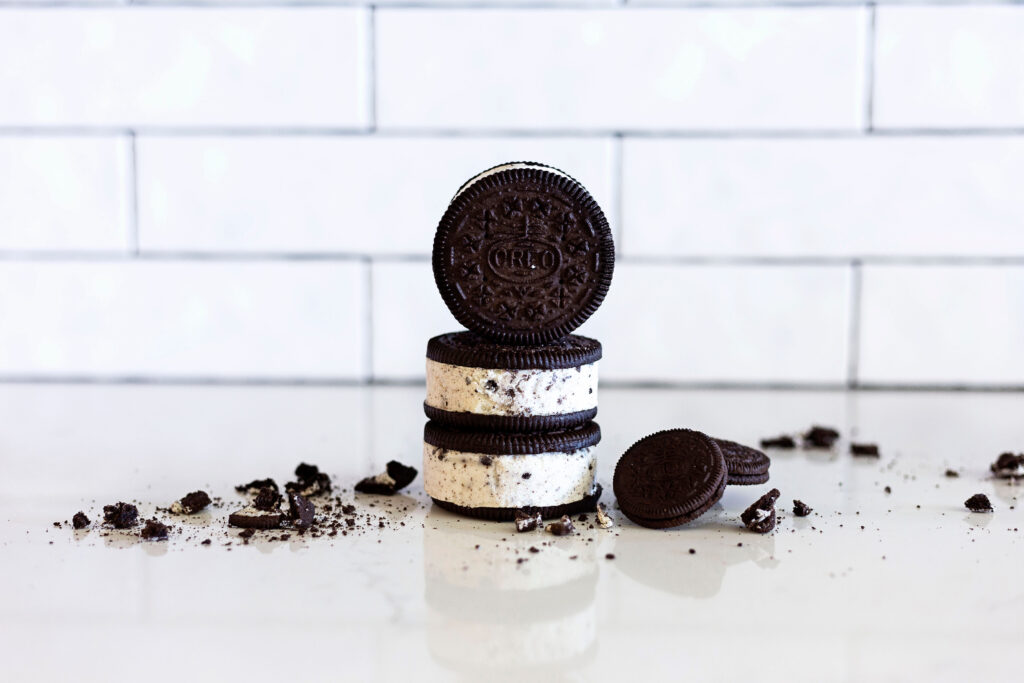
519,393
508,481
506,167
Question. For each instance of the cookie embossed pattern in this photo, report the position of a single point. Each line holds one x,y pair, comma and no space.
522,256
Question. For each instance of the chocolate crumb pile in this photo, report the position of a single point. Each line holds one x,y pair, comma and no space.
783,442
820,437
121,515
265,513
816,438
395,478
801,509
869,450
561,527
154,530
527,521
191,504
979,502
1009,466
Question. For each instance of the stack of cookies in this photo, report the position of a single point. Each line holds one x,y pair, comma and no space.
522,257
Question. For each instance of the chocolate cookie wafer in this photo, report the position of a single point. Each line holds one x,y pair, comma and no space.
523,254
746,466
670,478
476,384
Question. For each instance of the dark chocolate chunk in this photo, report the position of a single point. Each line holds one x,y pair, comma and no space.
760,516
154,530
194,502
395,478
561,527
121,515
310,481
869,450
979,502
256,485
670,478
801,509
820,437
1009,466
527,521
523,255
300,511
783,442
267,499
746,466
80,521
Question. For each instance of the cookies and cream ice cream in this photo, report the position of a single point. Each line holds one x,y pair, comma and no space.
508,481
491,391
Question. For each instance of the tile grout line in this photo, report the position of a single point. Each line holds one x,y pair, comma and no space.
854,326
371,65
244,131
383,257
675,385
133,239
869,70
618,188
369,321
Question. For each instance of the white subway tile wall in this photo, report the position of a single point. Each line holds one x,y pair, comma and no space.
822,195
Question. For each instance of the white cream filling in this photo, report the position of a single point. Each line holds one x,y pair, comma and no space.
504,481
506,167
489,391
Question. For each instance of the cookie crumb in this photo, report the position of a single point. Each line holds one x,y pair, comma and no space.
80,521
979,502
562,527
760,516
801,509
154,530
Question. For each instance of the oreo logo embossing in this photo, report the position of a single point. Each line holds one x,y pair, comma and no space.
524,260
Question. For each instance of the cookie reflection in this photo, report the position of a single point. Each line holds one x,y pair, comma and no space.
498,610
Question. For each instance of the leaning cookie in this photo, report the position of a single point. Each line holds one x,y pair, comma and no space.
490,476
479,385
746,466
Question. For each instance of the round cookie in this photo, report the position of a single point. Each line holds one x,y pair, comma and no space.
491,475
523,254
670,478
746,466
478,385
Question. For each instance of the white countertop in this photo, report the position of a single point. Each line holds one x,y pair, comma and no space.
872,587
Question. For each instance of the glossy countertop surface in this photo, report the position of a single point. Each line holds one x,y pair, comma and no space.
873,586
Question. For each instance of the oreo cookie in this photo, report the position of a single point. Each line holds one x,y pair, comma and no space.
491,475
670,478
523,254
477,384
746,466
